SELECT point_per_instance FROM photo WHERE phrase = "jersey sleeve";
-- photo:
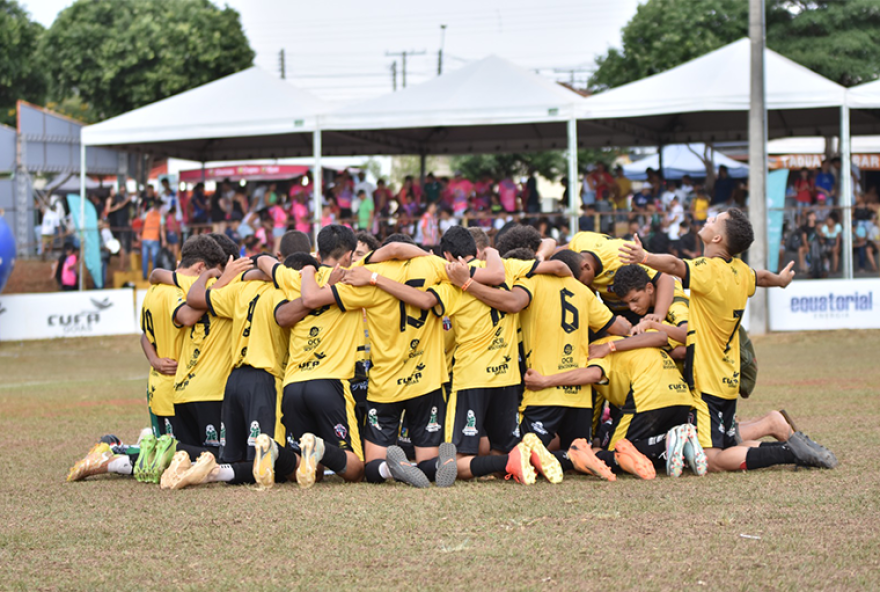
(604, 364)
(698, 277)
(527, 284)
(653, 274)
(448, 299)
(438, 265)
(753, 281)
(354, 297)
(221, 302)
(678, 313)
(288, 281)
(600, 317)
(516, 269)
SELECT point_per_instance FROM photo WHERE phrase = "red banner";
(250, 172)
(865, 162)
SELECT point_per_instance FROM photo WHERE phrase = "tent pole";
(846, 192)
(573, 185)
(423, 162)
(660, 165)
(317, 183)
(82, 212)
(757, 162)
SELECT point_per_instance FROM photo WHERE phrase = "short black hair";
(295, 241)
(522, 253)
(398, 237)
(570, 258)
(480, 237)
(227, 244)
(201, 248)
(335, 240)
(628, 278)
(738, 233)
(519, 236)
(458, 242)
(368, 239)
(299, 260)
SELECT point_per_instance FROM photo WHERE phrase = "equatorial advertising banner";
(825, 305)
(67, 314)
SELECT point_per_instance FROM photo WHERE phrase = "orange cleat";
(632, 461)
(585, 460)
(519, 467)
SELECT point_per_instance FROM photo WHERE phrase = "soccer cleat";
(311, 452)
(145, 458)
(693, 451)
(180, 464)
(111, 440)
(632, 461)
(447, 469)
(163, 453)
(198, 473)
(402, 470)
(144, 433)
(519, 466)
(585, 460)
(675, 439)
(544, 462)
(264, 461)
(94, 463)
(808, 453)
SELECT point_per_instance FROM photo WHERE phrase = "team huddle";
(387, 362)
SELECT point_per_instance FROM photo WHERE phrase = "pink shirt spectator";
(279, 217)
(507, 193)
(301, 216)
(68, 272)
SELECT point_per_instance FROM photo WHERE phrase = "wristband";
(645, 260)
(611, 346)
(467, 284)
(374, 278)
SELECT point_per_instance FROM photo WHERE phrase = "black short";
(124, 238)
(569, 423)
(197, 423)
(249, 405)
(359, 392)
(715, 422)
(424, 420)
(474, 413)
(161, 424)
(325, 408)
(646, 424)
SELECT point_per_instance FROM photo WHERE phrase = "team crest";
(211, 436)
(340, 431)
(433, 424)
(470, 429)
(373, 419)
(168, 429)
(254, 433)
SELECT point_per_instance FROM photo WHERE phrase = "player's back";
(157, 319)
(606, 251)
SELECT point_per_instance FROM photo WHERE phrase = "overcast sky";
(336, 48)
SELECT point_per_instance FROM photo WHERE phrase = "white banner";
(138, 305)
(67, 314)
(808, 305)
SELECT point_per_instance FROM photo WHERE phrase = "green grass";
(817, 529)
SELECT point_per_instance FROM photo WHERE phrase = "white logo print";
(470, 429)
(538, 427)
(433, 425)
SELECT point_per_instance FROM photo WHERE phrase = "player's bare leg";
(772, 425)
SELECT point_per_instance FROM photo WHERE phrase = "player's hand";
(652, 317)
(599, 350)
(357, 276)
(337, 274)
(235, 268)
(786, 275)
(632, 252)
(458, 272)
(165, 366)
(534, 380)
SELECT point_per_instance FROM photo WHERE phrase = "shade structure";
(680, 160)
(864, 96)
(247, 115)
(707, 99)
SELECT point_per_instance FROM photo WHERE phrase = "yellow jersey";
(257, 340)
(678, 313)
(719, 292)
(206, 355)
(157, 322)
(606, 251)
(555, 331)
(406, 344)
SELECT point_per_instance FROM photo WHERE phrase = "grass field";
(775, 529)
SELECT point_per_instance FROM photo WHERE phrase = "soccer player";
(633, 286)
(720, 285)
(601, 253)
(556, 315)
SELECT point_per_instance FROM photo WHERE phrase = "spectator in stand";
(382, 199)
(343, 191)
(483, 193)
(233, 226)
(862, 250)
(810, 244)
(531, 199)
(724, 186)
(279, 225)
(118, 209)
(587, 220)
(461, 192)
(687, 190)
(688, 244)
(329, 212)
(622, 189)
(823, 189)
(674, 218)
(152, 236)
(432, 189)
(221, 203)
(507, 194)
(51, 226)
(603, 182)
(409, 197)
(240, 203)
(271, 195)
(803, 187)
(198, 205)
(365, 210)
(831, 231)
(700, 207)
(363, 185)
(173, 232)
(655, 180)
(667, 195)
(588, 190)
(428, 232)
(65, 270)
(170, 201)
(641, 199)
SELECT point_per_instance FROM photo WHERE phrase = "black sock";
(133, 458)
(654, 447)
(334, 458)
(486, 465)
(371, 471)
(771, 444)
(768, 456)
(607, 457)
(195, 451)
(563, 459)
(244, 473)
(285, 464)
(429, 467)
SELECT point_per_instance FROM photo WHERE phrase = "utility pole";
(281, 64)
(440, 53)
(757, 161)
(394, 75)
(403, 55)
(571, 72)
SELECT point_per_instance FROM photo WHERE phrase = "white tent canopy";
(864, 96)
(682, 159)
(251, 114)
(816, 145)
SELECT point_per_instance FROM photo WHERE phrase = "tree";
(834, 38)
(551, 164)
(20, 74)
(118, 55)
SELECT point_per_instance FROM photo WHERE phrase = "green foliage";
(551, 164)
(21, 76)
(117, 55)
(837, 39)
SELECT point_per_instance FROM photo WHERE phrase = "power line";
(403, 55)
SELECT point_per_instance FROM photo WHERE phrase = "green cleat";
(164, 451)
(145, 459)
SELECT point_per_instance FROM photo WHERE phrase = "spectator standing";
(221, 203)
(343, 189)
(198, 205)
(687, 190)
(461, 192)
(641, 199)
(169, 200)
(432, 189)
(674, 218)
(173, 232)
(603, 182)
(824, 185)
(688, 244)
(831, 231)
(365, 210)
(622, 189)
(65, 270)
(667, 196)
(811, 244)
(279, 225)
(700, 207)
(507, 194)
(724, 186)
(483, 193)
(409, 196)
(588, 190)
(803, 187)
(531, 198)
(428, 232)
(152, 236)
(50, 227)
